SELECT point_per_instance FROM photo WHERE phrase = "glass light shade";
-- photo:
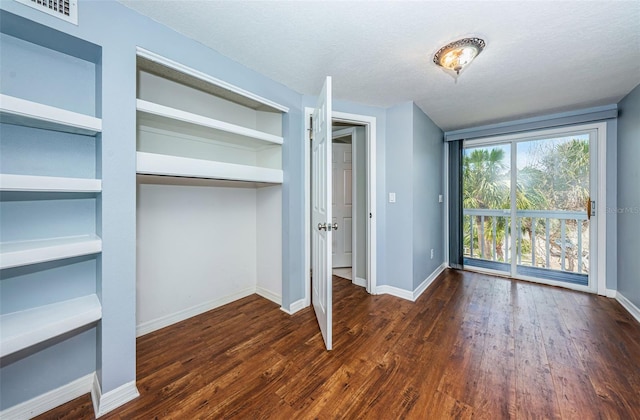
(456, 55)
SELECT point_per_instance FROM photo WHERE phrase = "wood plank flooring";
(472, 346)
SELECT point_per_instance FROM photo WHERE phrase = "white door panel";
(342, 205)
(321, 218)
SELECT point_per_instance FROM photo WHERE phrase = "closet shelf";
(156, 164)
(9, 182)
(22, 329)
(32, 114)
(15, 254)
(163, 116)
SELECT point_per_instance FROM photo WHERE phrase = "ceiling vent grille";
(63, 9)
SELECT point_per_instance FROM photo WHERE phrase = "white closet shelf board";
(23, 329)
(9, 182)
(32, 114)
(198, 182)
(156, 164)
(15, 254)
(177, 72)
(201, 126)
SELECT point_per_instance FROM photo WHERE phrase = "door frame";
(599, 267)
(369, 122)
(351, 132)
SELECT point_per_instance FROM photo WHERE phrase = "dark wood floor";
(472, 346)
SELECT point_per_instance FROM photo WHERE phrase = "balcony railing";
(548, 244)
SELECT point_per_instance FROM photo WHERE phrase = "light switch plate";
(440, 198)
(392, 197)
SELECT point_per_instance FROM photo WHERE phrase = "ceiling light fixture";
(456, 55)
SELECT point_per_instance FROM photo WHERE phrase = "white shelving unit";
(209, 164)
(51, 205)
(9, 182)
(32, 114)
(16, 254)
(22, 329)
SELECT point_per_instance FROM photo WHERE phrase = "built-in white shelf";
(197, 125)
(10, 182)
(22, 329)
(32, 114)
(157, 164)
(15, 254)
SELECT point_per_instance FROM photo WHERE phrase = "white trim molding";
(412, 296)
(428, 281)
(268, 294)
(394, 291)
(296, 306)
(359, 281)
(611, 293)
(629, 306)
(164, 321)
(104, 403)
(49, 400)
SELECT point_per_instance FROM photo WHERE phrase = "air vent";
(63, 9)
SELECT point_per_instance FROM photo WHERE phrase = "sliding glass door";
(486, 199)
(527, 206)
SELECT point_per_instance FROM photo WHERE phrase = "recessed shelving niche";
(209, 164)
(50, 186)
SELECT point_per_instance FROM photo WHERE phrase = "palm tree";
(486, 185)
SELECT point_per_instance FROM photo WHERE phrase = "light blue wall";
(428, 183)
(628, 208)
(118, 30)
(35, 374)
(39, 74)
(398, 226)
(30, 151)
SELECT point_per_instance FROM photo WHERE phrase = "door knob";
(322, 226)
(335, 226)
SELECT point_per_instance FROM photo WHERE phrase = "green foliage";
(555, 176)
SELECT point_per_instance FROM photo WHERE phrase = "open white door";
(321, 225)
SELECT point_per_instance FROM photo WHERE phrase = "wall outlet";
(431, 253)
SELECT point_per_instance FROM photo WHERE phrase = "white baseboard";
(629, 306)
(296, 306)
(427, 282)
(610, 293)
(103, 403)
(268, 294)
(359, 281)
(394, 291)
(165, 321)
(49, 400)
(408, 295)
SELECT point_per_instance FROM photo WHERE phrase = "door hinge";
(370, 216)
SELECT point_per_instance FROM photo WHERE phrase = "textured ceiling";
(540, 57)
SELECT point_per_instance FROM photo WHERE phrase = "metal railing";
(550, 239)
